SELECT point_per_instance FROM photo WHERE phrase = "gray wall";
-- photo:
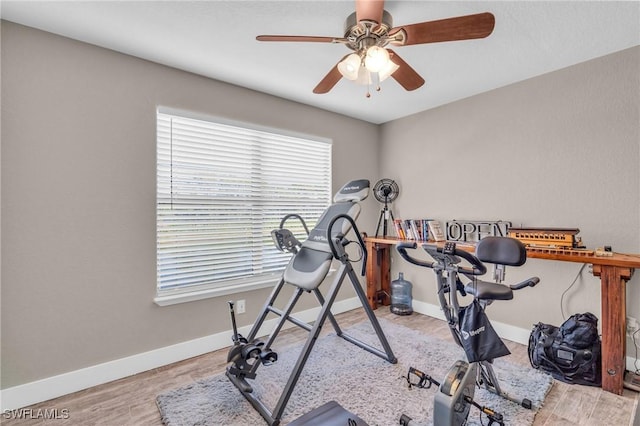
(78, 199)
(559, 150)
(78, 189)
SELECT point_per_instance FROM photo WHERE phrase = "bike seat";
(486, 290)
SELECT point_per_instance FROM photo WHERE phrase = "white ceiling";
(217, 39)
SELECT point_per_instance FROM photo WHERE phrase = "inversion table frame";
(345, 271)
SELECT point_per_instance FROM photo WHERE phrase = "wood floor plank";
(551, 401)
(576, 405)
(131, 400)
(610, 410)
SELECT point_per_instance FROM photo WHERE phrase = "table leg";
(378, 273)
(372, 274)
(385, 273)
(613, 281)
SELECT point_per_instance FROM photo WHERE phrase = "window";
(221, 189)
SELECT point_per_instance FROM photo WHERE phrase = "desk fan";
(385, 191)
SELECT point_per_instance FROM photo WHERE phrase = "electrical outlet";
(632, 326)
(632, 381)
(240, 307)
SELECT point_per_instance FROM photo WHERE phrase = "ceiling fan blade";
(297, 38)
(369, 10)
(451, 29)
(405, 75)
(329, 80)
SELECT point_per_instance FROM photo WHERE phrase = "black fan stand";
(385, 190)
(384, 215)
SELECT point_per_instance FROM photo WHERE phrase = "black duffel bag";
(570, 353)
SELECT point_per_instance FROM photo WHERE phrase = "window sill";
(173, 297)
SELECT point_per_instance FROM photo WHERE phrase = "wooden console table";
(614, 272)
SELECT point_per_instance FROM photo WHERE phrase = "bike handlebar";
(531, 282)
(477, 267)
(402, 247)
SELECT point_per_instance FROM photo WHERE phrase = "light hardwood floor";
(131, 401)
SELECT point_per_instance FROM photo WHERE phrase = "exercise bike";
(454, 397)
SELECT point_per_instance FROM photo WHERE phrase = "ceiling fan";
(370, 29)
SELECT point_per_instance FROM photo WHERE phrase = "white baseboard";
(505, 331)
(63, 384)
(53, 387)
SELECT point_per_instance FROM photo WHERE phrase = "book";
(415, 229)
(436, 231)
(397, 225)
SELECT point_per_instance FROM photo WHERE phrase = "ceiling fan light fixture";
(387, 70)
(349, 67)
(376, 58)
(367, 32)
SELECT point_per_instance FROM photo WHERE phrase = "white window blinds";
(221, 189)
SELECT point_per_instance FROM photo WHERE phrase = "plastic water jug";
(401, 298)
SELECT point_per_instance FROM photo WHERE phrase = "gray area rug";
(361, 382)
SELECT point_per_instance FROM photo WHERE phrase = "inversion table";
(306, 271)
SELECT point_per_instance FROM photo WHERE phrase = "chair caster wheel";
(526, 403)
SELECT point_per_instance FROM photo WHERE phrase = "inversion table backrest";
(308, 268)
